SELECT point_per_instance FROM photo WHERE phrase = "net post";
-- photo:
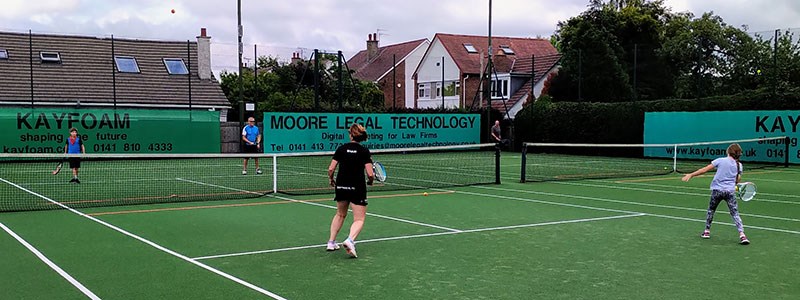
(497, 165)
(675, 158)
(275, 174)
(786, 157)
(524, 161)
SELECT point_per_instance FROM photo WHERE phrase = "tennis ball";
(665, 168)
(425, 193)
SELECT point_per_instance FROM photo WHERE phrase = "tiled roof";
(85, 73)
(522, 67)
(372, 70)
(470, 63)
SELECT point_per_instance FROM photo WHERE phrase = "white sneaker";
(258, 171)
(244, 172)
(332, 246)
(350, 246)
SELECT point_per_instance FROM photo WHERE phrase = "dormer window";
(50, 57)
(175, 66)
(470, 48)
(126, 64)
(506, 49)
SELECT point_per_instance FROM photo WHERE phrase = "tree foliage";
(290, 87)
(623, 50)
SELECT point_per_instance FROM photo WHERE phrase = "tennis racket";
(746, 191)
(379, 171)
(58, 166)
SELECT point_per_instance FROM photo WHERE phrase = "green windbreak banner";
(45, 130)
(312, 132)
(688, 127)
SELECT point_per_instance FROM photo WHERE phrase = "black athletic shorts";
(352, 195)
(74, 162)
(250, 148)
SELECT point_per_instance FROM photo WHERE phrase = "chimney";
(372, 46)
(204, 55)
(296, 58)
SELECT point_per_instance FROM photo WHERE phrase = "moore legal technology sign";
(311, 132)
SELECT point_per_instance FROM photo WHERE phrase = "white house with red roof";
(391, 67)
(450, 71)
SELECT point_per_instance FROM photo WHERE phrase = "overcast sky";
(280, 27)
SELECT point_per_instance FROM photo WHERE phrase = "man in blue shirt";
(252, 142)
(74, 146)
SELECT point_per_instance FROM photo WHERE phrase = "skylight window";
(126, 64)
(3, 54)
(506, 49)
(50, 57)
(175, 66)
(470, 48)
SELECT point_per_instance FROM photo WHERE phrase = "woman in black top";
(351, 189)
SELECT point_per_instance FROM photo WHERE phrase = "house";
(391, 68)
(46, 70)
(457, 63)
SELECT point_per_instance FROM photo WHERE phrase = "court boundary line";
(606, 209)
(618, 186)
(333, 207)
(694, 188)
(153, 244)
(246, 204)
(86, 291)
(404, 237)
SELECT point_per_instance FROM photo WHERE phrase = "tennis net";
(27, 182)
(553, 161)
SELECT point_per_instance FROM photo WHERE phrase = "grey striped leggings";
(718, 196)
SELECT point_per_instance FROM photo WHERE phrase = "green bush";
(623, 122)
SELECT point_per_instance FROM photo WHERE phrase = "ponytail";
(735, 151)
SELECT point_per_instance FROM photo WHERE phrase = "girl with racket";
(351, 189)
(723, 187)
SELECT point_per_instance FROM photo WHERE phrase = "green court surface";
(626, 238)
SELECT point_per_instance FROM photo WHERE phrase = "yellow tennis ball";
(425, 193)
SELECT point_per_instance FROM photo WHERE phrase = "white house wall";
(429, 71)
(412, 61)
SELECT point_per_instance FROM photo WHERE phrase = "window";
(506, 49)
(500, 88)
(452, 88)
(175, 66)
(3, 54)
(438, 89)
(424, 90)
(50, 57)
(470, 48)
(126, 64)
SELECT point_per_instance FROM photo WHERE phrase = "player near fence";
(723, 187)
(74, 145)
(351, 188)
(252, 143)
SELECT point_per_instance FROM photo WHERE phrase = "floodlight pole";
(241, 84)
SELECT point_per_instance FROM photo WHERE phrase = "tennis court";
(607, 238)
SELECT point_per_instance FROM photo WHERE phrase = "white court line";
(424, 235)
(606, 209)
(218, 186)
(372, 214)
(651, 204)
(323, 205)
(51, 264)
(662, 191)
(695, 188)
(154, 245)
